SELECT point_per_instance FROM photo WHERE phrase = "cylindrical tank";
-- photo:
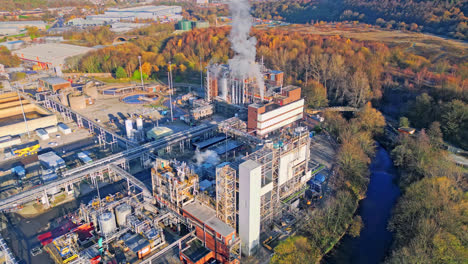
(185, 25)
(129, 127)
(121, 213)
(139, 124)
(77, 101)
(107, 223)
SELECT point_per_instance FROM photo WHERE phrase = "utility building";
(284, 110)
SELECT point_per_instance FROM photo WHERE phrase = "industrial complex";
(151, 173)
(212, 187)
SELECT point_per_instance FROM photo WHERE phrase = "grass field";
(432, 47)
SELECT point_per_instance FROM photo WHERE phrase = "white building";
(172, 13)
(50, 55)
(15, 27)
(249, 205)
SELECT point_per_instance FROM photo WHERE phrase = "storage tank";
(107, 223)
(129, 128)
(121, 213)
(139, 124)
(77, 102)
(185, 25)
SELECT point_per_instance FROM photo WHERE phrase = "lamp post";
(24, 115)
(141, 72)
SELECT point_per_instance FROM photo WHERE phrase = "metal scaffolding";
(226, 194)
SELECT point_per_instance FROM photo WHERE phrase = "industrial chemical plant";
(210, 175)
(213, 188)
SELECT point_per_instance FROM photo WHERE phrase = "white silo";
(139, 124)
(129, 128)
(107, 223)
(121, 213)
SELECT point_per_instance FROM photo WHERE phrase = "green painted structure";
(185, 25)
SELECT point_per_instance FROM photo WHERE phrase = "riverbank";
(375, 210)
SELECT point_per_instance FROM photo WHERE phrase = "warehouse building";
(16, 27)
(162, 13)
(51, 55)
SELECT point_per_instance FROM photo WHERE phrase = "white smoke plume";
(243, 63)
(208, 156)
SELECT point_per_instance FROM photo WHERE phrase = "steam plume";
(208, 156)
(243, 63)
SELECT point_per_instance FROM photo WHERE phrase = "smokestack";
(243, 65)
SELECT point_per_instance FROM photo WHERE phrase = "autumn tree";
(8, 59)
(370, 119)
(33, 32)
(146, 68)
(295, 249)
(315, 95)
(356, 226)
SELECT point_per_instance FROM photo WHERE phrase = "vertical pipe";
(207, 87)
(171, 90)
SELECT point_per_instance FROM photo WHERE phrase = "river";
(372, 246)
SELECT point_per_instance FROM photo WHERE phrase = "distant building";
(15, 27)
(12, 45)
(50, 55)
(120, 27)
(85, 22)
(170, 13)
(53, 83)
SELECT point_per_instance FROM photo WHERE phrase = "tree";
(370, 119)
(136, 75)
(33, 32)
(359, 89)
(315, 95)
(356, 226)
(8, 59)
(455, 121)
(404, 122)
(421, 113)
(120, 73)
(296, 249)
(435, 134)
(146, 68)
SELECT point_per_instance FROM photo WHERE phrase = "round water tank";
(121, 213)
(107, 223)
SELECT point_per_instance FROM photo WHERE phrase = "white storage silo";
(129, 128)
(121, 213)
(139, 124)
(107, 223)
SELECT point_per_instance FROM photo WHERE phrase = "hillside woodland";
(331, 70)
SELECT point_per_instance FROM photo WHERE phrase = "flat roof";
(54, 53)
(195, 251)
(150, 8)
(208, 216)
(54, 80)
(209, 142)
(223, 148)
